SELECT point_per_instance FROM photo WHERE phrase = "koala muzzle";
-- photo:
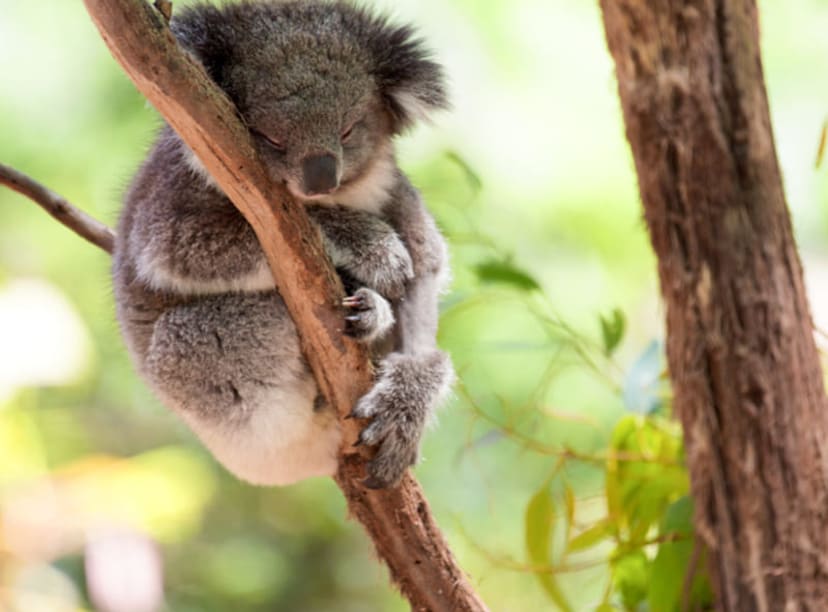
(319, 174)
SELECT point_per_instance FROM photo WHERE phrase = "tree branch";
(72, 217)
(398, 520)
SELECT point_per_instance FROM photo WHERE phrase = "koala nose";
(319, 173)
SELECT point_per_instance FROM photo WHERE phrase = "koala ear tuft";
(202, 30)
(412, 85)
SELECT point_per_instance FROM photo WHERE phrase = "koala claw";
(354, 301)
(370, 315)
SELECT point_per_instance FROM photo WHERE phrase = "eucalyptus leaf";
(472, 177)
(591, 536)
(672, 563)
(631, 575)
(540, 519)
(612, 330)
(504, 272)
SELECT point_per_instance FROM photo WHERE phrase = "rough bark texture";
(745, 370)
(398, 520)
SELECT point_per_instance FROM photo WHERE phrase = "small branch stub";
(165, 8)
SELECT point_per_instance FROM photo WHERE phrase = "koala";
(324, 87)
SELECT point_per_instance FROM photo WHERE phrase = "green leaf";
(669, 568)
(612, 330)
(679, 517)
(471, 176)
(590, 537)
(550, 585)
(639, 491)
(672, 562)
(502, 271)
(540, 518)
(631, 577)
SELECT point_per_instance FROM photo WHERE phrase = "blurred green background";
(104, 495)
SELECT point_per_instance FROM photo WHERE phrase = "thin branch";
(72, 217)
(398, 520)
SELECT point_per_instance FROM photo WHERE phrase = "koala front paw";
(386, 268)
(399, 404)
(369, 315)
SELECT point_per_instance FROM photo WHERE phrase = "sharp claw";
(353, 302)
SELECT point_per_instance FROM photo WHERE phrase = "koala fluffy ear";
(412, 85)
(202, 30)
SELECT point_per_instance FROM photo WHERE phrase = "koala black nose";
(319, 173)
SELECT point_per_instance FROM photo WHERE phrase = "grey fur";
(324, 87)
(366, 247)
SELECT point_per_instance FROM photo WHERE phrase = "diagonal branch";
(398, 520)
(75, 219)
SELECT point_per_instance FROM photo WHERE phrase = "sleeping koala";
(323, 87)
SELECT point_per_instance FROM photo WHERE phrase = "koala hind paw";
(397, 437)
(399, 405)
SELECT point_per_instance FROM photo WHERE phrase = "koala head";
(323, 86)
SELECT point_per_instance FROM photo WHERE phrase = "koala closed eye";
(274, 143)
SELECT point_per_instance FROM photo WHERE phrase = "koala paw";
(396, 432)
(369, 315)
(399, 405)
(386, 268)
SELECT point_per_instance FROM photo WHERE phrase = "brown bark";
(398, 520)
(746, 375)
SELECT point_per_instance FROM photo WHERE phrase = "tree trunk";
(745, 370)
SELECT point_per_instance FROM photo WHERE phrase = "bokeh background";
(106, 500)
